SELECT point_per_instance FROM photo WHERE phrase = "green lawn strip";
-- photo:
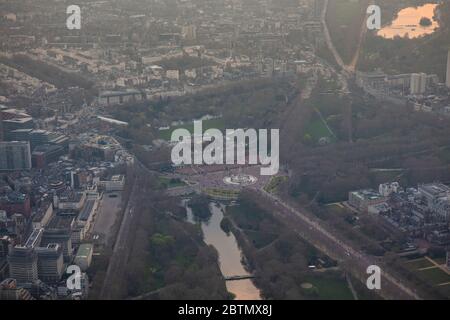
(419, 264)
(171, 183)
(331, 288)
(206, 124)
(435, 276)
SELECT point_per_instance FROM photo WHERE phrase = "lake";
(230, 255)
(407, 23)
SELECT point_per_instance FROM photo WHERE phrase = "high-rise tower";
(448, 70)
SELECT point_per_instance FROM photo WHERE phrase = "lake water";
(407, 23)
(230, 255)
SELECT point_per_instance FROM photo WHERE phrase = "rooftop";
(368, 194)
(60, 222)
(86, 211)
(85, 250)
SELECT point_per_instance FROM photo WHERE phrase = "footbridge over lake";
(239, 277)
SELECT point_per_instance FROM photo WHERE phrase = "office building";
(448, 70)
(45, 154)
(23, 264)
(115, 183)
(59, 230)
(42, 215)
(5, 245)
(418, 83)
(15, 155)
(50, 263)
(11, 124)
(84, 256)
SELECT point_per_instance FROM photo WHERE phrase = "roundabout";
(240, 179)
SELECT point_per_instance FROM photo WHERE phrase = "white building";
(386, 189)
(418, 83)
(173, 74)
(116, 183)
(84, 256)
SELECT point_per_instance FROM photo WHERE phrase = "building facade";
(15, 155)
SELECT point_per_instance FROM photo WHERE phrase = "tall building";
(5, 245)
(317, 8)
(23, 264)
(59, 230)
(189, 32)
(15, 155)
(83, 258)
(50, 263)
(418, 83)
(15, 123)
(448, 70)
(1, 126)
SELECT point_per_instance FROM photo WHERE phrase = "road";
(328, 40)
(328, 241)
(348, 70)
(107, 213)
(117, 264)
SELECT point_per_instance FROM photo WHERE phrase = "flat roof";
(60, 222)
(86, 211)
(368, 194)
(85, 250)
(435, 188)
(33, 238)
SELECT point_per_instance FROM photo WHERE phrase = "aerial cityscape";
(225, 150)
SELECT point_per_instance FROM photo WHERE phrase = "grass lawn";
(171, 183)
(335, 210)
(435, 276)
(207, 124)
(445, 290)
(274, 183)
(247, 217)
(419, 264)
(222, 193)
(331, 288)
(260, 239)
(440, 260)
(344, 20)
(317, 129)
